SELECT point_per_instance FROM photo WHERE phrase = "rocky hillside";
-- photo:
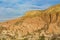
(34, 25)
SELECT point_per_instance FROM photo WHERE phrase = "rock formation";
(34, 25)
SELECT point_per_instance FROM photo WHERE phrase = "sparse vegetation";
(30, 26)
(41, 37)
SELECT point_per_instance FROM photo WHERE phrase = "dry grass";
(35, 25)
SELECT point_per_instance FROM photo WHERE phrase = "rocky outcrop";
(34, 25)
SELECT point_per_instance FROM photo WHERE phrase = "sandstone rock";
(33, 25)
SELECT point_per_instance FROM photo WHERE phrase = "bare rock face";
(35, 25)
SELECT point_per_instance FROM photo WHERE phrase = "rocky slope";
(34, 25)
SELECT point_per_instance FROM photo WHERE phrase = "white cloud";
(29, 6)
(6, 13)
(7, 10)
(9, 13)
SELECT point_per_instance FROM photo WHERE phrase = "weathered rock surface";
(35, 25)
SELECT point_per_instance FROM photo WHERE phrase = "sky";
(10, 9)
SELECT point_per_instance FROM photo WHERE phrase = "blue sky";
(10, 9)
